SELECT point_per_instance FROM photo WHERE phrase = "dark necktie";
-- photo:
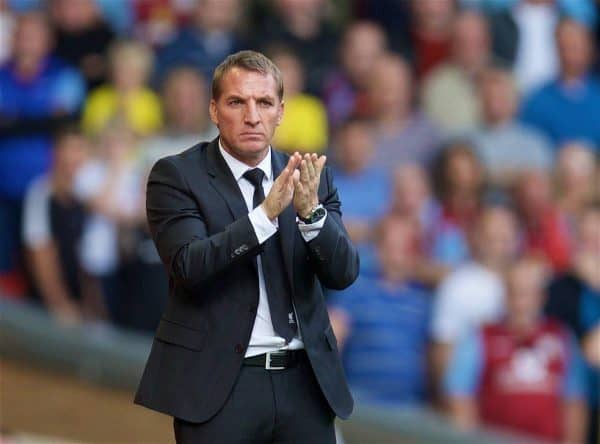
(278, 291)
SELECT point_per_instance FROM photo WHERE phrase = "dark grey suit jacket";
(199, 223)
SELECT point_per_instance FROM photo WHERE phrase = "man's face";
(525, 290)
(32, 38)
(496, 236)
(247, 113)
(575, 48)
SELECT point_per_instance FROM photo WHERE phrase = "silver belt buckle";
(268, 365)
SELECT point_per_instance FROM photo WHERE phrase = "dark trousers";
(267, 406)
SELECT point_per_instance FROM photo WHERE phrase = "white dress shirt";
(263, 338)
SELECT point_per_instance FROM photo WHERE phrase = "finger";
(283, 177)
(298, 186)
(294, 161)
(310, 165)
(304, 175)
(320, 164)
(296, 177)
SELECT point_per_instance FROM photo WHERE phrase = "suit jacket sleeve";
(180, 233)
(334, 258)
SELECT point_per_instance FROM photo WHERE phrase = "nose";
(251, 117)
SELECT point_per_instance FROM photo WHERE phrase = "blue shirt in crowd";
(364, 195)
(193, 48)
(566, 112)
(384, 354)
(56, 89)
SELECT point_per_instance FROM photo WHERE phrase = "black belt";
(277, 360)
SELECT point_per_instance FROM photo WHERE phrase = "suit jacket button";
(239, 348)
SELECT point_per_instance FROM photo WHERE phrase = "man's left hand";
(306, 184)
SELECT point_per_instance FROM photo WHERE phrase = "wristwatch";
(316, 214)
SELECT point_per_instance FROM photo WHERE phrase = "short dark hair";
(249, 61)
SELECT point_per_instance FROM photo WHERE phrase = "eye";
(235, 102)
(265, 102)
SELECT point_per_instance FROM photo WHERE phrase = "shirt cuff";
(310, 231)
(264, 228)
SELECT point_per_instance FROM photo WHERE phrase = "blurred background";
(464, 136)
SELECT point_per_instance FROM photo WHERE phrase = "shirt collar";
(238, 168)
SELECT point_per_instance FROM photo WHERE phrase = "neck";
(572, 77)
(394, 279)
(28, 66)
(395, 118)
(304, 27)
(495, 122)
(522, 324)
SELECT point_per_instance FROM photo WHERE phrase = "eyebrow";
(237, 97)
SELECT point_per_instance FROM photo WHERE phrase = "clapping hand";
(306, 184)
(282, 191)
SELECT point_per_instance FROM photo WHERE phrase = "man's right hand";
(282, 191)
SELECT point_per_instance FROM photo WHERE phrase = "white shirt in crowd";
(467, 298)
(36, 230)
(537, 59)
(99, 248)
(263, 338)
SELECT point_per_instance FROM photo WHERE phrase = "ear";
(212, 110)
(280, 112)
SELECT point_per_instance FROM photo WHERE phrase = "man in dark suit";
(244, 351)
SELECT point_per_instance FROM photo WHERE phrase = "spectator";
(574, 298)
(7, 24)
(402, 134)
(120, 16)
(185, 103)
(53, 223)
(412, 198)
(301, 26)
(382, 323)
(157, 21)
(211, 36)
(304, 125)
(576, 173)
(473, 294)
(506, 146)
(429, 34)
(591, 348)
(568, 108)
(82, 38)
(365, 189)
(126, 96)
(37, 92)
(449, 93)
(524, 372)
(546, 231)
(524, 39)
(345, 90)
(116, 246)
(458, 180)
(111, 187)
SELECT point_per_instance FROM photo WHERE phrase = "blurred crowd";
(464, 136)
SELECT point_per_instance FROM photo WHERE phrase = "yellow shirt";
(303, 127)
(141, 109)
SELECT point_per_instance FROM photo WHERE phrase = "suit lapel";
(287, 220)
(223, 181)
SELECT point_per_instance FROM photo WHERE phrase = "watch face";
(317, 214)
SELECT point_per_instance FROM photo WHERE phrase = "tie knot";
(255, 176)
